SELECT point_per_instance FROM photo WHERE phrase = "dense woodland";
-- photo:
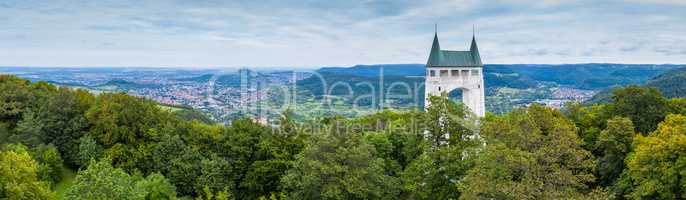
(125, 147)
(671, 83)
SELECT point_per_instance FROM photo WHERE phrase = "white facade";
(468, 79)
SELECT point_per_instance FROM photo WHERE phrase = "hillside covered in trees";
(585, 76)
(507, 86)
(672, 83)
(124, 147)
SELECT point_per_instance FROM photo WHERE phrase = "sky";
(309, 33)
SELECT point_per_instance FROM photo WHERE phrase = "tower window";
(444, 73)
(439, 89)
(464, 72)
(475, 72)
(455, 72)
(432, 73)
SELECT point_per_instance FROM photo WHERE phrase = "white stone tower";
(456, 70)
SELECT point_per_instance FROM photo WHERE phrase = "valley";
(226, 95)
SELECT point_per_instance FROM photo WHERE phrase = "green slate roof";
(444, 58)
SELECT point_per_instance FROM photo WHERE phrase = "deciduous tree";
(613, 144)
(19, 177)
(644, 106)
(14, 98)
(339, 166)
(656, 167)
(531, 153)
(101, 181)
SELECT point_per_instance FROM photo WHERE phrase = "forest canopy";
(126, 147)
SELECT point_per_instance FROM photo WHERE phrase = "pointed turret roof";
(445, 58)
(435, 56)
(475, 51)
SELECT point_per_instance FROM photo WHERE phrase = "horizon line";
(311, 67)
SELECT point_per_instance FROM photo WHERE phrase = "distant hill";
(336, 84)
(591, 76)
(495, 75)
(228, 79)
(118, 84)
(672, 83)
(66, 84)
(604, 96)
(373, 70)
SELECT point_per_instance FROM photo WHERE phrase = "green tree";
(120, 118)
(62, 121)
(89, 150)
(208, 194)
(532, 153)
(404, 130)
(435, 173)
(102, 181)
(442, 164)
(656, 167)
(29, 130)
(19, 177)
(259, 156)
(263, 178)
(407, 144)
(384, 149)
(128, 128)
(178, 162)
(4, 133)
(447, 120)
(339, 166)
(240, 145)
(14, 98)
(156, 187)
(590, 121)
(215, 173)
(614, 143)
(50, 163)
(191, 115)
(132, 157)
(677, 106)
(644, 106)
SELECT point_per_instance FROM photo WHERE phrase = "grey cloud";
(670, 51)
(562, 53)
(538, 52)
(633, 48)
(313, 32)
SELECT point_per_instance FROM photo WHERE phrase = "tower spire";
(435, 56)
(473, 48)
(473, 31)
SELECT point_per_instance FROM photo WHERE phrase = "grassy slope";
(68, 176)
(169, 108)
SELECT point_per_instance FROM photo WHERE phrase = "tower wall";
(468, 79)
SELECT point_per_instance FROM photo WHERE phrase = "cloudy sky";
(256, 33)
